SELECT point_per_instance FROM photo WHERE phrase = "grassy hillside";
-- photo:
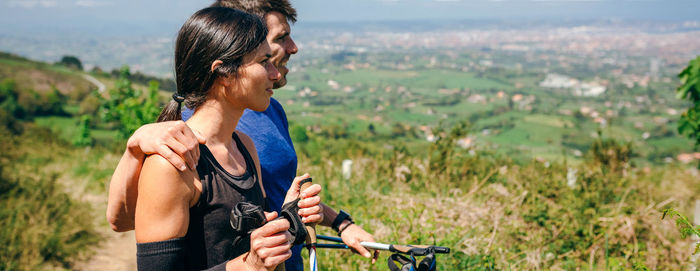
(518, 199)
(52, 200)
(43, 77)
(52, 193)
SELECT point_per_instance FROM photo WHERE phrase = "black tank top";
(210, 235)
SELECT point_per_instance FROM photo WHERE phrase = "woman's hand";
(269, 245)
(310, 209)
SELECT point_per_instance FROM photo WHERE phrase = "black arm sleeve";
(168, 255)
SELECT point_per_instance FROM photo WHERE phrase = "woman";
(182, 218)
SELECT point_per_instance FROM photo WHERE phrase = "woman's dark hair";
(214, 33)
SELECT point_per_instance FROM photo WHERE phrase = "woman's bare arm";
(162, 213)
(164, 199)
(173, 140)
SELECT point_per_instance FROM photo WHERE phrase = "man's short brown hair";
(260, 7)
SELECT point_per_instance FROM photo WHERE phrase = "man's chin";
(282, 82)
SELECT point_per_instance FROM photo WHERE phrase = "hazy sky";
(98, 15)
(322, 10)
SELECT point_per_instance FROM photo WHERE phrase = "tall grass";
(40, 223)
(498, 214)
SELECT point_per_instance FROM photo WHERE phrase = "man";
(269, 131)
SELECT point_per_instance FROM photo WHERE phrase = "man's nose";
(291, 47)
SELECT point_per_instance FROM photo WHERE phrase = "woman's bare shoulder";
(158, 164)
(164, 198)
(158, 173)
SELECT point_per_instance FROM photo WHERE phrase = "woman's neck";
(215, 121)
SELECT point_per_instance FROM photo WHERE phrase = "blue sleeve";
(186, 113)
(278, 160)
(283, 116)
(269, 131)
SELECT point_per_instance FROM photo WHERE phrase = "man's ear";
(222, 79)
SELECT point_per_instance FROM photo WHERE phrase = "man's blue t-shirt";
(269, 131)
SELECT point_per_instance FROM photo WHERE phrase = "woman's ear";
(222, 79)
(216, 64)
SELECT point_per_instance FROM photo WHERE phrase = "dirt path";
(116, 253)
(100, 87)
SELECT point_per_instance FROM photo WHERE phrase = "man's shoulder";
(274, 112)
(275, 106)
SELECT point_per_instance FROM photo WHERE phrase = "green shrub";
(689, 122)
(89, 105)
(610, 155)
(129, 108)
(84, 138)
(298, 133)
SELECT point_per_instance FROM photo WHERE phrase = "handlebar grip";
(444, 250)
(305, 183)
(419, 250)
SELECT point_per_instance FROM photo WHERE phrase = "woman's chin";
(261, 107)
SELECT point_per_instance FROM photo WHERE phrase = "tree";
(8, 100)
(442, 151)
(54, 102)
(71, 62)
(126, 107)
(84, 137)
(41, 104)
(689, 123)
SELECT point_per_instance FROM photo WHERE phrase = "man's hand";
(353, 235)
(173, 140)
(310, 209)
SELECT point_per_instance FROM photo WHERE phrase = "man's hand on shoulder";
(173, 140)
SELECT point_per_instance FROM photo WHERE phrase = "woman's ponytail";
(173, 110)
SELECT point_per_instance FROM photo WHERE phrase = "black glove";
(246, 217)
(290, 212)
